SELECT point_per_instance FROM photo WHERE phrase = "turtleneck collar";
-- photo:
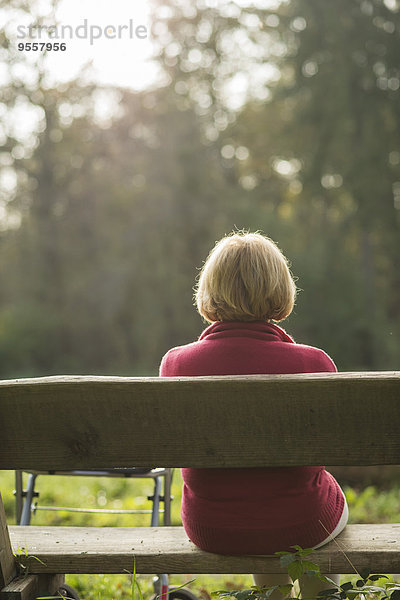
(253, 329)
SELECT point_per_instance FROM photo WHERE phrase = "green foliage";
(373, 504)
(92, 493)
(320, 163)
(298, 565)
(109, 221)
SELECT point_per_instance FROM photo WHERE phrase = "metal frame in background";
(25, 506)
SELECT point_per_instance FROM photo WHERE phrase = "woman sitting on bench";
(244, 286)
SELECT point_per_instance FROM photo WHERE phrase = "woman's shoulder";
(315, 358)
(171, 362)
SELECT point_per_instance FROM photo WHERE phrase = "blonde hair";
(245, 278)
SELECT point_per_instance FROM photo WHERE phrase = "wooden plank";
(259, 420)
(168, 550)
(29, 587)
(21, 588)
(7, 562)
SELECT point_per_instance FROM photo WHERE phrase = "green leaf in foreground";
(287, 559)
(295, 570)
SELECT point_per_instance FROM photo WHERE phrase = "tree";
(322, 147)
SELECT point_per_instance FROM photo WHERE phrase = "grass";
(116, 494)
(370, 505)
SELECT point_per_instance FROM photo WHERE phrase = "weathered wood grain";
(168, 550)
(21, 588)
(7, 562)
(258, 420)
(30, 587)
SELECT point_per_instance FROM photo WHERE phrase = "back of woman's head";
(245, 278)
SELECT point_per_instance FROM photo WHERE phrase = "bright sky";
(122, 59)
(114, 35)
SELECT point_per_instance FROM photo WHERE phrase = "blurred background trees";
(282, 117)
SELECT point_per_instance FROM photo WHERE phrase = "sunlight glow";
(113, 37)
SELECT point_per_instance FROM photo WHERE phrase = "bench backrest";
(64, 423)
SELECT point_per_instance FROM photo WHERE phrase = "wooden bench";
(66, 423)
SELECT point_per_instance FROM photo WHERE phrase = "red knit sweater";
(257, 510)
